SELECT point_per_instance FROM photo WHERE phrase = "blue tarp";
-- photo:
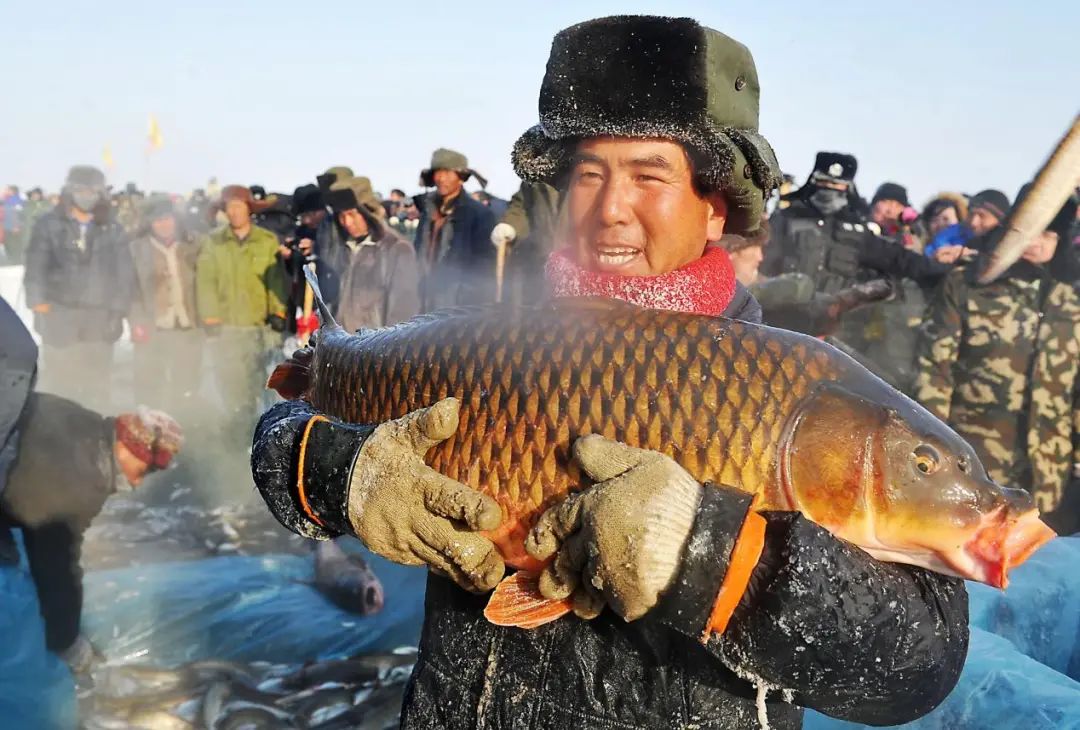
(1021, 669)
(1024, 657)
(243, 609)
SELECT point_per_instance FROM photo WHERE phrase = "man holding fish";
(697, 586)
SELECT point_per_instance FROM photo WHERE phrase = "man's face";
(447, 182)
(236, 211)
(632, 208)
(981, 221)
(164, 228)
(312, 218)
(746, 262)
(353, 223)
(946, 217)
(886, 211)
(1041, 250)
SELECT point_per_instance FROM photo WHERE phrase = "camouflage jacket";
(1000, 364)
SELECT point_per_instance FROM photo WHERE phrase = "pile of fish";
(362, 693)
(132, 530)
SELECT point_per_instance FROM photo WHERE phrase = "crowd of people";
(220, 272)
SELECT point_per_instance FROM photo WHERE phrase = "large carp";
(777, 414)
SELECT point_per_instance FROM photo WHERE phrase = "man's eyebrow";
(580, 157)
(655, 161)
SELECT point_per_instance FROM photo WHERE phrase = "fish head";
(886, 475)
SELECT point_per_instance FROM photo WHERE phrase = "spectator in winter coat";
(379, 277)
(240, 295)
(453, 239)
(986, 211)
(79, 282)
(164, 322)
(641, 208)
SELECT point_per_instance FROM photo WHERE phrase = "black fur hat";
(646, 76)
(835, 167)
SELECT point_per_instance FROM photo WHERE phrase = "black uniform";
(853, 637)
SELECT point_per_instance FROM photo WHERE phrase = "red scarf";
(704, 286)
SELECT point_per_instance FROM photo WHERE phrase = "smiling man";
(648, 126)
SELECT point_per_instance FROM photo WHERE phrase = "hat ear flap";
(464, 175)
(427, 178)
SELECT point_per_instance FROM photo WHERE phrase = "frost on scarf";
(705, 286)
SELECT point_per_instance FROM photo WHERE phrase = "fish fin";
(325, 317)
(517, 602)
(290, 379)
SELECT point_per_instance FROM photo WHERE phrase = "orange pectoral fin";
(292, 378)
(517, 602)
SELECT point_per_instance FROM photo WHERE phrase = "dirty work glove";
(409, 513)
(619, 542)
(502, 234)
(81, 656)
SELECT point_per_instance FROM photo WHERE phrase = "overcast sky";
(935, 95)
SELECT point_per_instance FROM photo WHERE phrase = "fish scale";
(713, 394)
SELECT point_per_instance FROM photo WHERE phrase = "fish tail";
(517, 602)
(325, 317)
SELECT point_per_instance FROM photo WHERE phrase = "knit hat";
(655, 77)
(355, 193)
(444, 159)
(153, 437)
(891, 191)
(333, 175)
(993, 201)
(307, 199)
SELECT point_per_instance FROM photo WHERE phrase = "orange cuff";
(744, 558)
(301, 492)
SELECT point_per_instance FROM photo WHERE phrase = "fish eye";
(927, 459)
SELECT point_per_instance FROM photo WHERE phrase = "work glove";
(502, 234)
(81, 656)
(409, 513)
(620, 542)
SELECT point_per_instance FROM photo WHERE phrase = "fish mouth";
(1001, 543)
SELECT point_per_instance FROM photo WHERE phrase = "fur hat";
(655, 77)
(307, 199)
(156, 207)
(444, 159)
(333, 175)
(243, 194)
(837, 167)
(354, 193)
(939, 202)
(153, 437)
(86, 175)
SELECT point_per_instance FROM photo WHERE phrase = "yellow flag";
(153, 136)
(107, 158)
